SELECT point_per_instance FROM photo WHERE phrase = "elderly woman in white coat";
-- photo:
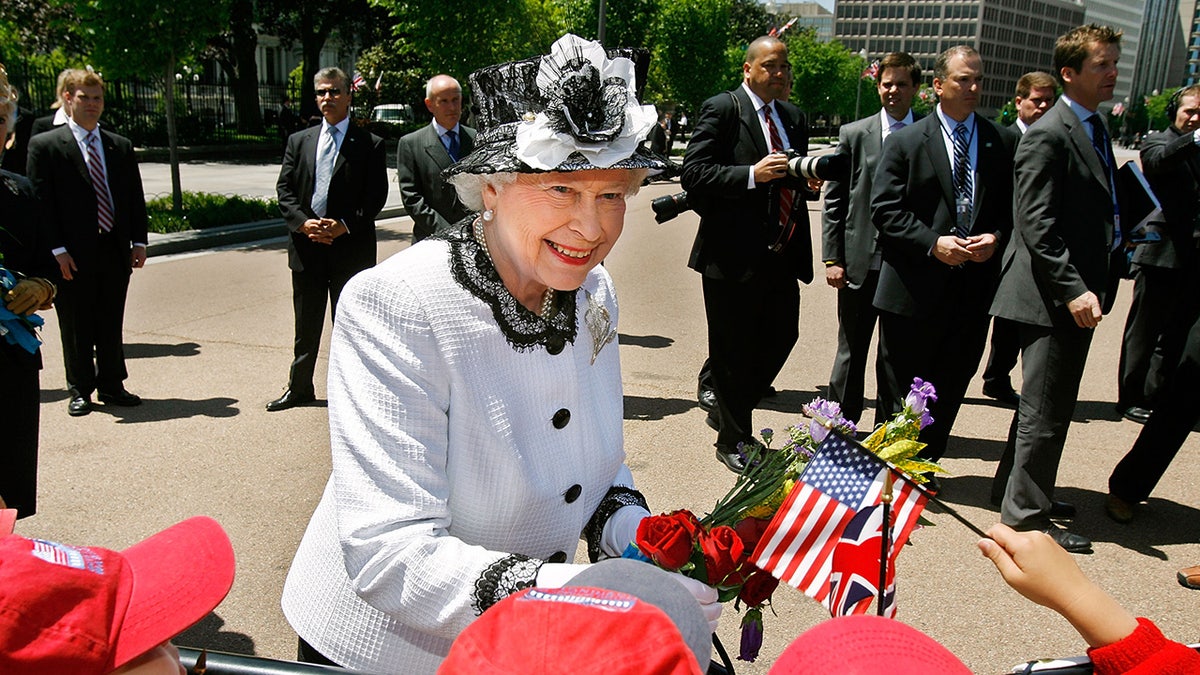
(475, 401)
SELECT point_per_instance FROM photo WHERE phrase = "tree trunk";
(245, 84)
(312, 40)
(172, 138)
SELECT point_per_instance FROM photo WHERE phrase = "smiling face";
(1093, 83)
(551, 229)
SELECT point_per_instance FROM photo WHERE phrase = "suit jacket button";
(560, 557)
(561, 418)
(555, 346)
(572, 493)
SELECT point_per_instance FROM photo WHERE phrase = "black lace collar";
(524, 330)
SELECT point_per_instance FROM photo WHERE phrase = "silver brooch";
(599, 324)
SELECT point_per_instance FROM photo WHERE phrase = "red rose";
(668, 539)
(722, 549)
(758, 588)
(751, 530)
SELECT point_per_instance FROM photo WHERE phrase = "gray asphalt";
(209, 336)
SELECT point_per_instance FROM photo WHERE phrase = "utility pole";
(600, 24)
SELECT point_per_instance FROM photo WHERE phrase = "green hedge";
(202, 210)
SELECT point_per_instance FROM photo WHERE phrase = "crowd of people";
(475, 404)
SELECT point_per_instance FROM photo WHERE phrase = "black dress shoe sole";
(78, 410)
(732, 461)
(1071, 542)
(289, 402)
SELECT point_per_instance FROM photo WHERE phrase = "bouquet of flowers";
(716, 549)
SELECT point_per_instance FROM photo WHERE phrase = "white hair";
(470, 185)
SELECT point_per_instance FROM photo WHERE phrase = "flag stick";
(886, 498)
(952, 512)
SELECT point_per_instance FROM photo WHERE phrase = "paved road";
(209, 342)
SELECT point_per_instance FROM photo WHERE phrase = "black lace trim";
(502, 578)
(523, 329)
(618, 496)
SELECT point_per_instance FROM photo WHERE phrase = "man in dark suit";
(1057, 278)
(851, 256)
(95, 222)
(1162, 310)
(753, 243)
(942, 201)
(1035, 94)
(1166, 305)
(422, 155)
(332, 185)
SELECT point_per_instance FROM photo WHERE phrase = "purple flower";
(752, 635)
(823, 411)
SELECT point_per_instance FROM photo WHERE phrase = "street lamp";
(862, 53)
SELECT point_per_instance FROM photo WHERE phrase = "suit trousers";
(752, 327)
(1154, 334)
(19, 422)
(309, 291)
(91, 319)
(1052, 362)
(1176, 413)
(944, 348)
(1003, 356)
(857, 317)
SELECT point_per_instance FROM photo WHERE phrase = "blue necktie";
(454, 146)
(1104, 151)
(326, 158)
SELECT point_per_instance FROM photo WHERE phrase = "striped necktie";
(962, 181)
(785, 195)
(104, 205)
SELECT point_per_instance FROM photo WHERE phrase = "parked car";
(392, 120)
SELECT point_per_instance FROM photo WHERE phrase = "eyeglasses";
(328, 92)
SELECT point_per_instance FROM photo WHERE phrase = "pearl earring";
(488, 215)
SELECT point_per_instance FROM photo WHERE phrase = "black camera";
(824, 167)
(666, 208)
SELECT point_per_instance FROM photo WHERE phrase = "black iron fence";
(205, 113)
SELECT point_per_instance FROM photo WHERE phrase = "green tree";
(826, 76)
(1156, 110)
(692, 56)
(626, 22)
(235, 50)
(153, 37)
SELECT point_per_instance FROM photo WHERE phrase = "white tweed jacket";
(452, 450)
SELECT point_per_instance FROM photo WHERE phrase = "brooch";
(599, 324)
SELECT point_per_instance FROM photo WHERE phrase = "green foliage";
(626, 22)
(1156, 110)
(826, 76)
(1008, 114)
(925, 100)
(203, 210)
(136, 38)
(683, 36)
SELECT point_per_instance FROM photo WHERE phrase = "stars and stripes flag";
(872, 70)
(357, 82)
(831, 523)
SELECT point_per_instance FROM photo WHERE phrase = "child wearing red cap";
(93, 611)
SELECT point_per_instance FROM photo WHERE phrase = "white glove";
(621, 529)
(705, 595)
(557, 575)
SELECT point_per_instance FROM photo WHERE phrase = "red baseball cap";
(866, 645)
(90, 610)
(575, 629)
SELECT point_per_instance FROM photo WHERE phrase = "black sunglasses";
(328, 92)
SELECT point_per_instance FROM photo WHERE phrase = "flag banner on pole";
(842, 481)
(357, 82)
(872, 70)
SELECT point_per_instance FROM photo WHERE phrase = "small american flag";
(872, 70)
(842, 480)
(358, 81)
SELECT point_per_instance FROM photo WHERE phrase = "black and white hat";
(571, 110)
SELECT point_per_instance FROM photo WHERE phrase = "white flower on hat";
(591, 108)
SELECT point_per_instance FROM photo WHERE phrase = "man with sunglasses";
(332, 185)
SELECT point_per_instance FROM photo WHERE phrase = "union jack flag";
(836, 505)
(357, 82)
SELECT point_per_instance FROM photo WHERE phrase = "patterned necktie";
(326, 157)
(454, 146)
(962, 181)
(1104, 152)
(104, 205)
(785, 195)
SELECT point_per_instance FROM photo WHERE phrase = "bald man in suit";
(422, 156)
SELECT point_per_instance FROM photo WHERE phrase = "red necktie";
(104, 207)
(785, 195)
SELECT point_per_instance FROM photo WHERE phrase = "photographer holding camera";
(753, 242)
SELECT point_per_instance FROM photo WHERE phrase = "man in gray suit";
(848, 237)
(422, 155)
(1161, 314)
(1057, 278)
(941, 200)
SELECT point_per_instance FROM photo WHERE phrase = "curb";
(227, 235)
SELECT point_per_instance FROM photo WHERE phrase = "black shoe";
(713, 421)
(1071, 542)
(1004, 395)
(732, 459)
(1062, 511)
(707, 399)
(119, 397)
(1135, 413)
(290, 399)
(79, 406)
